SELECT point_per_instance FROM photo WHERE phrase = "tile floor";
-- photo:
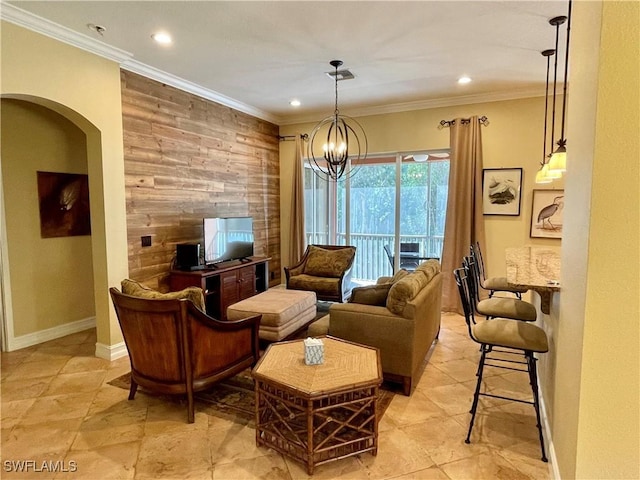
(58, 407)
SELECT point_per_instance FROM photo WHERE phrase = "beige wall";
(562, 392)
(85, 89)
(512, 139)
(598, 381)
(52, 278)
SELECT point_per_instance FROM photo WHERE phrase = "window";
(361, 210)
(316, 207)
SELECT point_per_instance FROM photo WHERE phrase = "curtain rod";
(464, 121)
(285, 138)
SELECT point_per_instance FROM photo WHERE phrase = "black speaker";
(188, 256)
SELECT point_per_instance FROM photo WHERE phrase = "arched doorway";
(47, 283)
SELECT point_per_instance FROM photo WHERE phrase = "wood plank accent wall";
(187, 158)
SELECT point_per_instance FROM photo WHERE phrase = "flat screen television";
(227, 239)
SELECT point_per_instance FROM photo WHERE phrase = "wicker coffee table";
(318, 413)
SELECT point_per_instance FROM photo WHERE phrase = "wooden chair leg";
(133, 388)
(406, 386)
(190, 407)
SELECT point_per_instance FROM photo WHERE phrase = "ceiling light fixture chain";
(542, 176)
(554, 164)
(558, 160)
(546, 53)
(555, 21)
(336, 64)
(345, 144)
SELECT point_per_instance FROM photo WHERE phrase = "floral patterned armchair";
(325, 270)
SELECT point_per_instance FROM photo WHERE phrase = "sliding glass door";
(423, 204)
(362, 211)
(372, 217)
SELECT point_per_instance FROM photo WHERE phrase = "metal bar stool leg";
(476, 395)
(533, 376)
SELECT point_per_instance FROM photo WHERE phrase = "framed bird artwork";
(546, 214)
(501, 191)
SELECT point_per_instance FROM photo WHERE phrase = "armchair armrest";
(345, 282)
(296, 269)
(215, 324)
(218, 346)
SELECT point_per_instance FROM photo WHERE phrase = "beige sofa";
(400, 316)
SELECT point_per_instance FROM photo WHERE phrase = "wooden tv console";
(225, 283)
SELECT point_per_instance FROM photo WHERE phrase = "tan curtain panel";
(465, 223)
(297, 242)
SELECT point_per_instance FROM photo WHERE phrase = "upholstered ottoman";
(283, 311)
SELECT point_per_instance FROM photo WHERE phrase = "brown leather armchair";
(325, 270)
(175, 348)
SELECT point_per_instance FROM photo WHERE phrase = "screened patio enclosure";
(390, 201)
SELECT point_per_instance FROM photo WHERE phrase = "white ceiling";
(404, 55)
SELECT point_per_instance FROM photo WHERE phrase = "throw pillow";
(135, 289)
(328, 263)
(400, 274)
(371, 295)
(405, 290)
(430, 268)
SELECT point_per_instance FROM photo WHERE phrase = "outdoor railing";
(371, 260)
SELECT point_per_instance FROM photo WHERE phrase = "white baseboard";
(111, 352)
(52, 333)
(551, 452)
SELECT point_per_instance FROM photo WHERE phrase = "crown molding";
(190, 87)
(421, 105)
(28, 20)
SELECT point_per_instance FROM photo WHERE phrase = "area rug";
(236, 396)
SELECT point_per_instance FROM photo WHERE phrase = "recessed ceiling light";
(162, 38)
(294, 103)
(464, 79)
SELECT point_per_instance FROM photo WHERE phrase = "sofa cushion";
(376, 294)
(371, 294)
(430, 268)
(405, 290)
(320, 285)
(327, 263)
(135, 289)
(399, 275)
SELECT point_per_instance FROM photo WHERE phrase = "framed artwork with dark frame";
(501, 191)
(64, 204)
(546, 214)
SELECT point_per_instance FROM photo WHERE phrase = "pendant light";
(545, 175)
(558, 160)
(542, 176)
(345, 143)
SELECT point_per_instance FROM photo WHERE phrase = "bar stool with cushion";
(503, 307)
(492, 284)
(496, 335)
